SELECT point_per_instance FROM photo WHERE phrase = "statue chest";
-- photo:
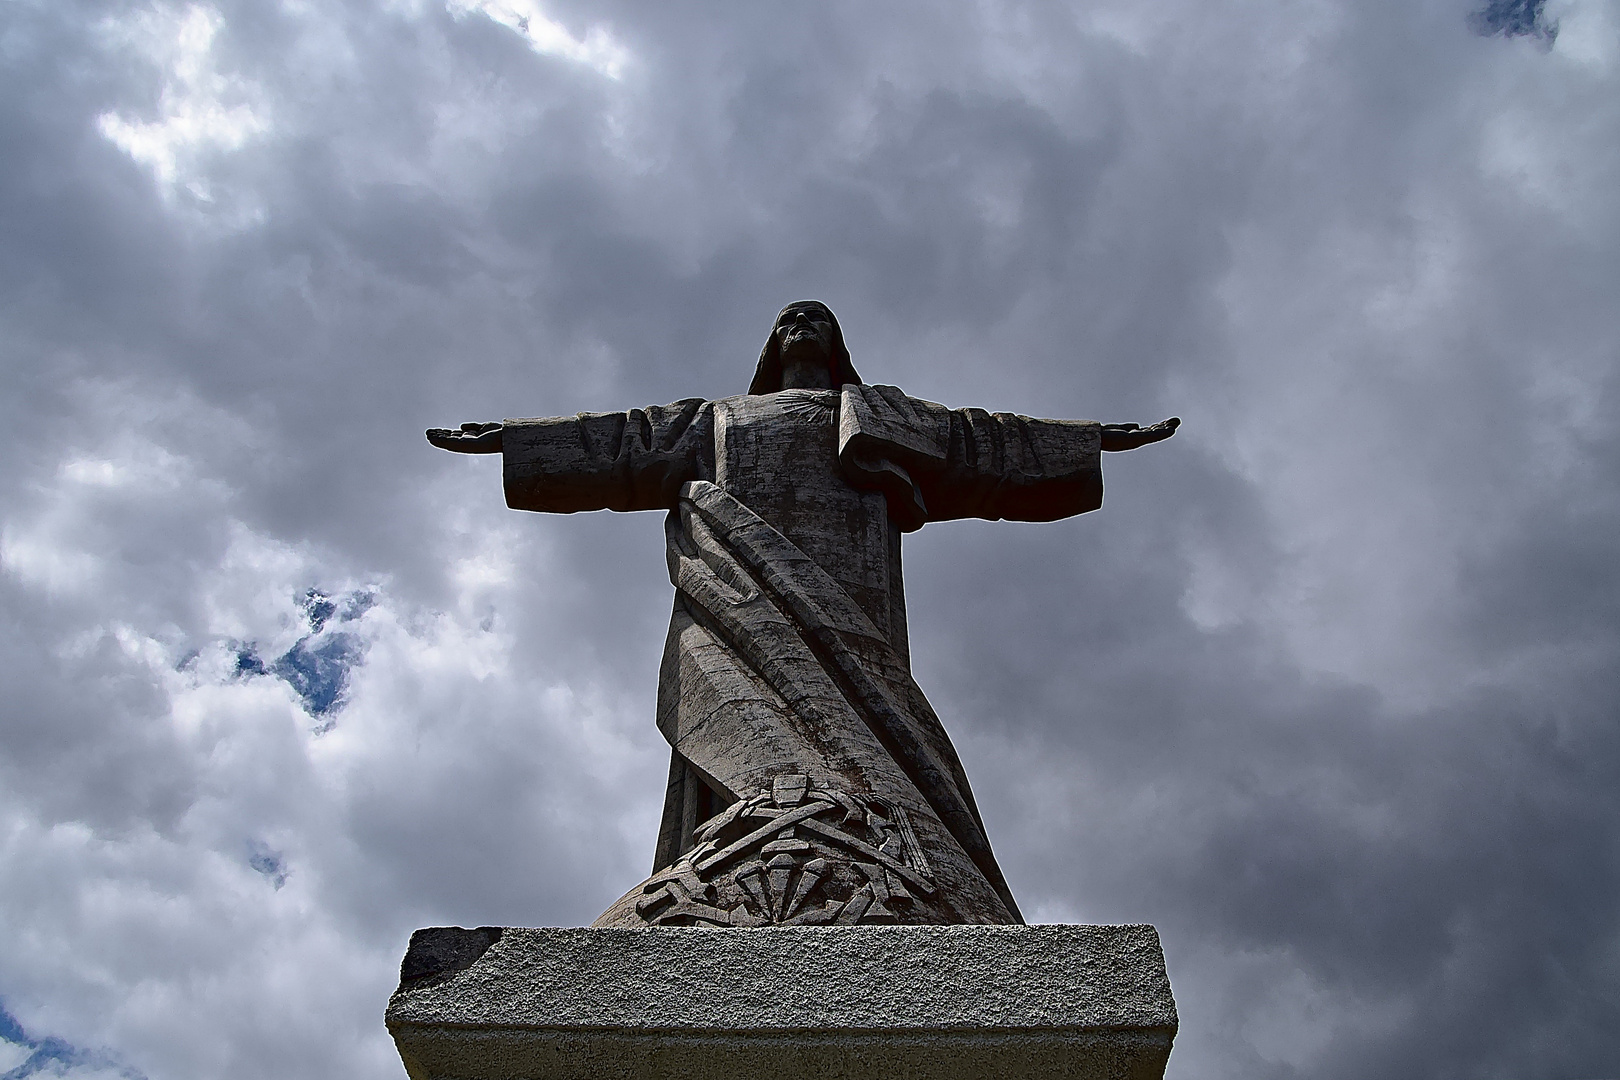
(778, 454)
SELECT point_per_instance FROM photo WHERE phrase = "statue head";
(806, 336)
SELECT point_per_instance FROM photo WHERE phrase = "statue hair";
(768, 375)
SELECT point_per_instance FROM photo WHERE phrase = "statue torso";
(778, 454)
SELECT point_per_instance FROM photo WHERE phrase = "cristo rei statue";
(810, 781)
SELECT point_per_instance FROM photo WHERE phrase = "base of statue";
(865, 1001)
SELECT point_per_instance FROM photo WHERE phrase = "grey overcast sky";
(1328, 690)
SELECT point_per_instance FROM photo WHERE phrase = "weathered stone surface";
(787, 667)
(895, 1002)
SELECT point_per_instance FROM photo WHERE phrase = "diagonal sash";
(862, 664)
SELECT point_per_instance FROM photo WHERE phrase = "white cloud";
(12, 1055)
(201, 111)
(597, 50)
(1588, 31)
(225, 890)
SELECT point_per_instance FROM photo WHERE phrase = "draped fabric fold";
(817, 651)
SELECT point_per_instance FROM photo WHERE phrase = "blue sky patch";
(54, 1057)
(317, 666)
(269, 862)
(1514, 18)
(318, 607)
(247, 659)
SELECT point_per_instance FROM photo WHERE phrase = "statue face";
(804, 328)
(804, 341)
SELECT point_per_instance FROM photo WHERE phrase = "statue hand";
(468, 439)
(1117, 437)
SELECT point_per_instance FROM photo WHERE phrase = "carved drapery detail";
(795, 855)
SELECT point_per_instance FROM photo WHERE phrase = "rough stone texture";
(871, 1001)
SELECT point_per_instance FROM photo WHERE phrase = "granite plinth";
(896, 1002)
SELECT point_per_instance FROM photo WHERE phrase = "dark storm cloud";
(1325, 691)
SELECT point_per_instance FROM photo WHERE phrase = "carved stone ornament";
(795, 856)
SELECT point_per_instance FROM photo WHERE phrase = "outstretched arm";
(468, 439)
(635, 460)
(1117, 437)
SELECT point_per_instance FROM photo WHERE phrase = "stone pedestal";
(886, 1002)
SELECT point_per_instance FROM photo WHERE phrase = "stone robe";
(810, 780)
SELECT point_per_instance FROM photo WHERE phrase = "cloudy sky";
(1327, 691)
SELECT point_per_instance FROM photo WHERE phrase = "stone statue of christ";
(810, 781)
